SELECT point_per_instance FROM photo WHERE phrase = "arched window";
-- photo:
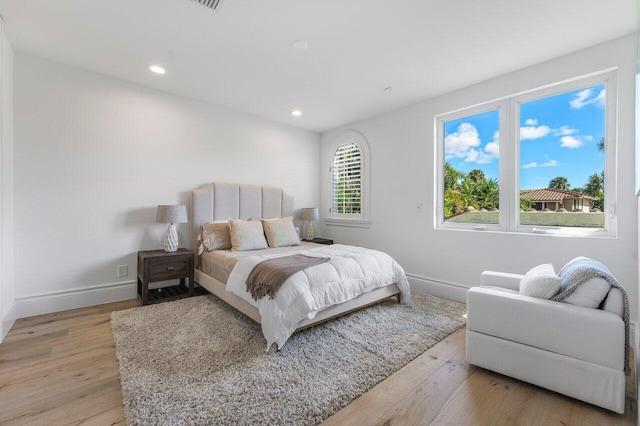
(348, 190)
(346, 182)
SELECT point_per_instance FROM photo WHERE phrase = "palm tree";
(488, 193)
(468, 194)
(476, 175)
(559, 182)
(595, 185)
(452, 176)
(600, 145)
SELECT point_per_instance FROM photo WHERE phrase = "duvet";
(350, 272)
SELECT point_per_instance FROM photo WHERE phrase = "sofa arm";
(592, 335)
(501, 279)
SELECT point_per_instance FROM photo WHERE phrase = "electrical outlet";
(123, 271)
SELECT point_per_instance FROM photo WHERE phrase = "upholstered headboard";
(220, 201)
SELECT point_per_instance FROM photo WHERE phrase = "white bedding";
(352, 271)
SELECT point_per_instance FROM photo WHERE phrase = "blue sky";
(558, 137)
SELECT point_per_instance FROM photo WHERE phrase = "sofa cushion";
(506, 290)
(586, 381)
(591, 335)
(589, 294)
(541, 282)
(614, 302)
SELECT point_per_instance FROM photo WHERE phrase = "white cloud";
(491, 150)
(580, 98)
(570, 142)
(602, 97)
(460, 142)
(534, 132)
(587, 97)
(548, 163)
(565, 131)
(465, 143)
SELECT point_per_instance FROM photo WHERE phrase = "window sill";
(538, 232)
(355, 223)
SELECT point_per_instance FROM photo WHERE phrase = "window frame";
(441, 119)
(509, 157)
(361, 219)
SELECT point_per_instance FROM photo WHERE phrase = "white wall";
(402, 175)
(95, 155)
(7, 294)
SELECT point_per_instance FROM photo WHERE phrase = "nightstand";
(321, 241)
(158, 265)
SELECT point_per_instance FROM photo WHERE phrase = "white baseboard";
(440, 288)
(74, 298)
(8, 319)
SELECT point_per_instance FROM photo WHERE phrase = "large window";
(348, 191)
(541, 161)
(471, 172)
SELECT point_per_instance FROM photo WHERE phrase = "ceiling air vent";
(211, 4)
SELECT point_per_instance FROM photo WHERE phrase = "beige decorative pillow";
(215, 236)
(281, 232)
(247, 235)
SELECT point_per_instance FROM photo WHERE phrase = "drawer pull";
(170, 268)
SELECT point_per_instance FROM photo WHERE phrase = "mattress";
(220, 263)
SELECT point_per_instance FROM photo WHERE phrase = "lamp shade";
(310, 213)
(172, 214)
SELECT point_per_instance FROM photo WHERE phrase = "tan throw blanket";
(268, 276)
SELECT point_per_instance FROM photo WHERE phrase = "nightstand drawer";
(166, 269)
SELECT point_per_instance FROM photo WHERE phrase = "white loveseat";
(569, 349)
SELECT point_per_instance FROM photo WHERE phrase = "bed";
(221, 201)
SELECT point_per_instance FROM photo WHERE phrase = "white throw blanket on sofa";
(350, 272)
(580, 270)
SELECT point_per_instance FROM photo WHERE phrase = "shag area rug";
(198, 361)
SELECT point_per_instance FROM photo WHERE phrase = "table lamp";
(171, 215)
(309, 214)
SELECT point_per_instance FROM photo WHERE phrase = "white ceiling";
(241, 57)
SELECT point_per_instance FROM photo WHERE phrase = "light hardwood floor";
(61, 369)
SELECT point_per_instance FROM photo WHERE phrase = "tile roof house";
(556, 199)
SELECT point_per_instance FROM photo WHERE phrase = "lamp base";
(308, 231)
(171, 239)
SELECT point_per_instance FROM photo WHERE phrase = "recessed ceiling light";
(157, 69)
(388, 89)
(296, 113)
(300, 45)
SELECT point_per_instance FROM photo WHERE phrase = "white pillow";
(215, 236)
(590, 293)
(247, 235)
(541, 282)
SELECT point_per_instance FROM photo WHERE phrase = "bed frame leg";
(398, 297)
